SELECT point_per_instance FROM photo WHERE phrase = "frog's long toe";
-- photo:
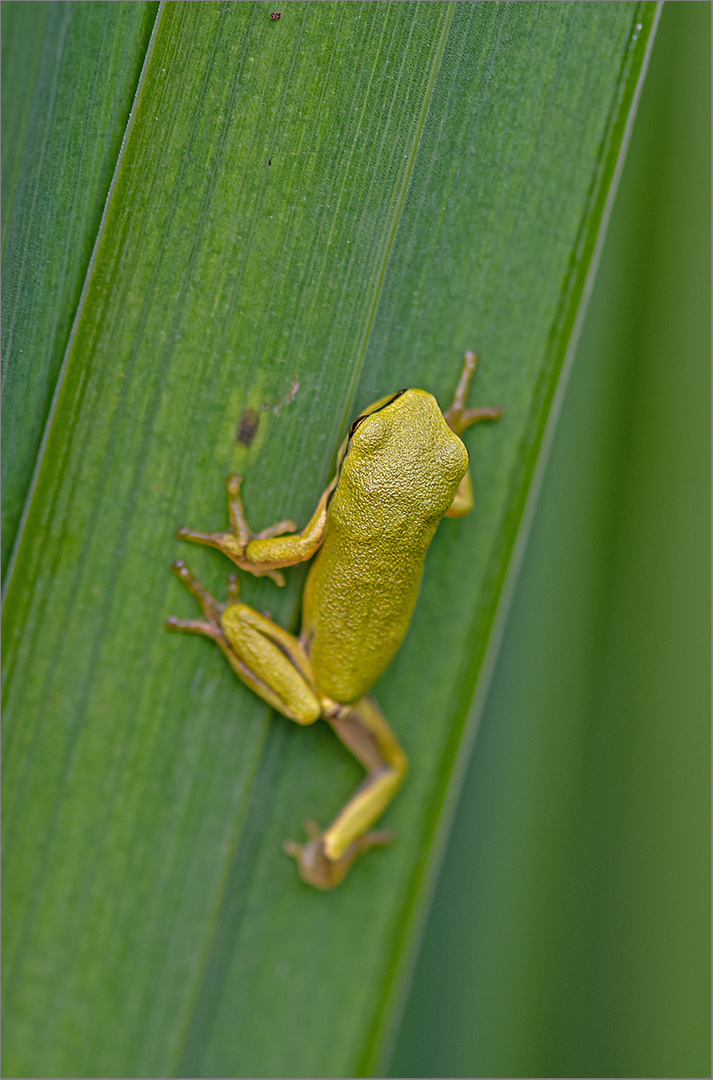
(324, 873)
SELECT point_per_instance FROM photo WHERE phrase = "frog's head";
(401, 453)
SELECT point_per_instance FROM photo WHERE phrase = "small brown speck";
(247, 428)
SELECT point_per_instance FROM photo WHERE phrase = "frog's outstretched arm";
(262, 553)
(458, 419)
(326, 857)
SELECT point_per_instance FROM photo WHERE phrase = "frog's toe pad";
(317, 869)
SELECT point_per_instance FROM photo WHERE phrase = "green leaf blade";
(69, 74)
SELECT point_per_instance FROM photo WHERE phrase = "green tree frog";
(401, 468)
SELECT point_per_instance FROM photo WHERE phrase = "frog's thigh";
(271, 662)
(363, 729)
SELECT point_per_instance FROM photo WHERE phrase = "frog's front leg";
(263, 655)
(262, 553)
(458, 419)
(327, 855)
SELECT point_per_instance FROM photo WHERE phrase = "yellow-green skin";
(400, 470)
(398, 477)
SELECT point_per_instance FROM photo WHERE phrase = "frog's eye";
(359, 420)
(385, 402)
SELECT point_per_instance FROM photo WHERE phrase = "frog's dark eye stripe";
(363, 416)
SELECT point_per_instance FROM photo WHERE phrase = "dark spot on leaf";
(247, 428)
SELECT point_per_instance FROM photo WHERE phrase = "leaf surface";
(69, 75)
(308, 213)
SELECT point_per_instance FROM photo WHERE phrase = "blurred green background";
(569, 930)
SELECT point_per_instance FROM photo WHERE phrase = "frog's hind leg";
(265, 657)
(326, 857)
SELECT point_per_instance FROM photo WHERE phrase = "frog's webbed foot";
(234, 543)
(457, 416)
(317, 869)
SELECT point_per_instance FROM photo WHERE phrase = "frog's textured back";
(364, 612)
(398, 478)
